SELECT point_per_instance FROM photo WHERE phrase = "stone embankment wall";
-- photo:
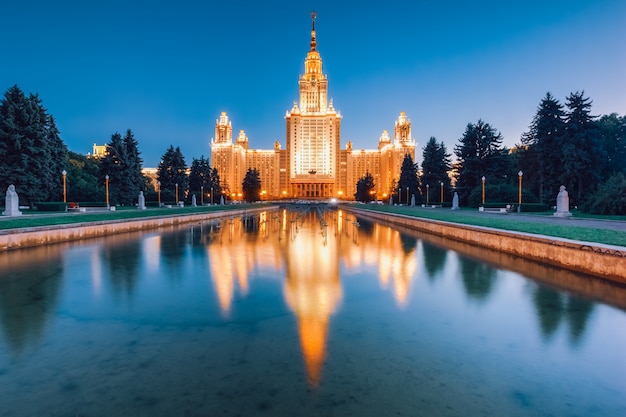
(604, 261)
(36, 236)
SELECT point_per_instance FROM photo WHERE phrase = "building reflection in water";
(313, 285)
(240, 246)
(307, 246)
(392, 253)
(305, 250)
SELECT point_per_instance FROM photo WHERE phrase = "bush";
(535, 207)
(610, 198)
(51, 206)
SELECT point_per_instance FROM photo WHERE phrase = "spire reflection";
(313, 287)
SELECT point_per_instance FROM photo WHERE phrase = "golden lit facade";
(313, 164)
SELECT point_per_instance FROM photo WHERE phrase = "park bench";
(508, 209)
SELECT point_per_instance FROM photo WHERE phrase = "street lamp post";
(442, 193)
(159, 192)
(211, 195)
(202, 195)
(427, 192)
(519, 199)
(407, 196)
(64, 172)
(399, 199)
(483, 190)
(106, 186)
(176, 193)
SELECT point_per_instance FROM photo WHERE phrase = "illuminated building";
(312, 165)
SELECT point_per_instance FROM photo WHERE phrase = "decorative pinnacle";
(313, 40)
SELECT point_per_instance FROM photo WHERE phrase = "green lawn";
(518, 224)
(36, 218)
(464, 216)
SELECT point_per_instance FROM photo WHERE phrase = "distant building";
(312, 165)
(99, 151)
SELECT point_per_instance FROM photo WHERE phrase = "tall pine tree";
(542, 147)
(31, 150)
(408, 183)
(436, 163)
(172, 170)
(122, 163)
(581, 153)
(479, 153)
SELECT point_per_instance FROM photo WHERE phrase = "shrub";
(51, 206)
(610, 198)
(535, 207)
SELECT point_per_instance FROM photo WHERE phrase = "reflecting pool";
(303, 313)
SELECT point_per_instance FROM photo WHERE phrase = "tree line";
(34, 158)
(564, 145)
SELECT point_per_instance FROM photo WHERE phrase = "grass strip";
(581, 233)
(130, 213)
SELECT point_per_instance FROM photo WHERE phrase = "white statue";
(12, 203)
(562, 203)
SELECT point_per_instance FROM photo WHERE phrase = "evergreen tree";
(479, 153)
(135, 180)
(200, 176)
(31, 151)
(365, 188)
(581, 153)
(216, 186)
(409, 182)
(172, 170)
(612, 138)
(122, 163)
(541, 149)
(251, 185)
(436, 163)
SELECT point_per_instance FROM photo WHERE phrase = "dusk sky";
(166, 69)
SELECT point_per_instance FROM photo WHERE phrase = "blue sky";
(167, 69)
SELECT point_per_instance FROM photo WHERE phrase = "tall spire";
(313, 40)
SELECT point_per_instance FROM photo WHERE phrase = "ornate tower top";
(313, 39)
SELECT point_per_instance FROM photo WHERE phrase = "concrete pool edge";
(605, 261)
(35, 236)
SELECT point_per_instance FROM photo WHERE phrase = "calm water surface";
(303, 313)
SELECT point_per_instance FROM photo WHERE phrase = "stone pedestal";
(12, 203)
(562, 203)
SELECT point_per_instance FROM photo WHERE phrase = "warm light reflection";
(152, 245)
(232, 260)
(313, 290)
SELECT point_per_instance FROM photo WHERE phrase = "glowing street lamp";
(106, 186)
(442, 192)
(176, 193)
(159, 192)
(519, 200)
(427, 192)
(483, 190)
(64, 173)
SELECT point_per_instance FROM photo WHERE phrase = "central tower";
(313, 132)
